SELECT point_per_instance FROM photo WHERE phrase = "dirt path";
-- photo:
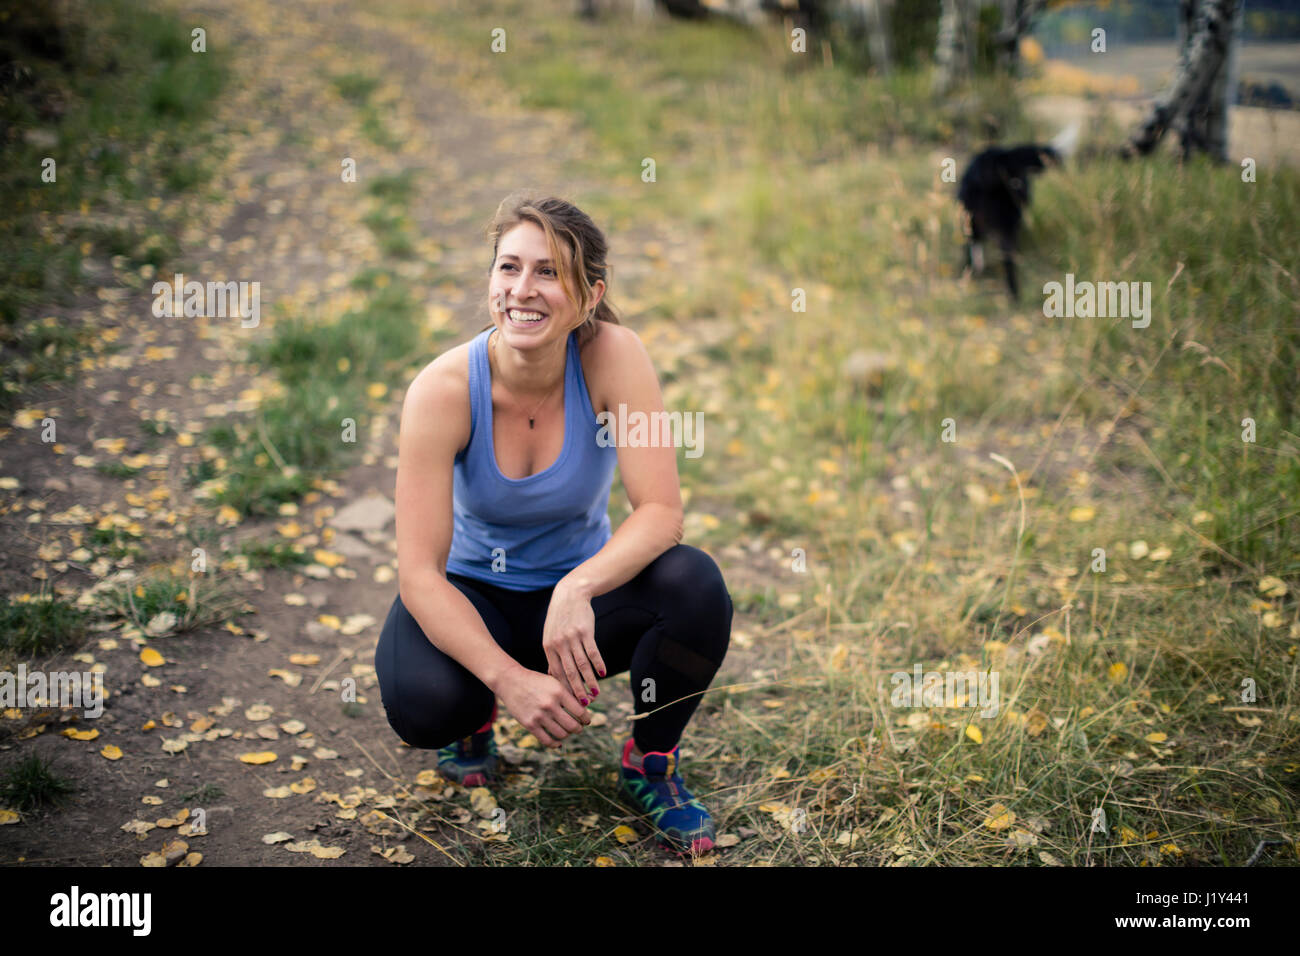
(287, 221)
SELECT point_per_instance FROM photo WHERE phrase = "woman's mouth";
(525, 318)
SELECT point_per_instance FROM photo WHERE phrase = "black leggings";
(670, 624)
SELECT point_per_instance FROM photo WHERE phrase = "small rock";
(351, 547)
(318, 631)
(371, 513)
(173, 851)
(55, 484)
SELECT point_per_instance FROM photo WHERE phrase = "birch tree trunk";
(947, 44)
(1017, 19)
(1190, 101)
(875, 15)
(1205, 127)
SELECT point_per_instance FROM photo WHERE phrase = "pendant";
(530, 423)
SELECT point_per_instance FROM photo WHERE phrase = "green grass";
(358, 89)
(273, 554)
(116, 469)
(170, 601)
(114, 542)
(204, 794)
(125, 103)
(31, 784)
(40, 626)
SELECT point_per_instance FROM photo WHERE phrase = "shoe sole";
(475, 778)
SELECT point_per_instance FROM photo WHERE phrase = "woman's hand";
(569, 640)
(541, 704)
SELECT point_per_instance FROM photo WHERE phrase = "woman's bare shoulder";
(439, 394)
(607, 359)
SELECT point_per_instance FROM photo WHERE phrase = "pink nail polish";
(584, 701)
(601, 673)
(595, 692)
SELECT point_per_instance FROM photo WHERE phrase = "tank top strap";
(480, 389)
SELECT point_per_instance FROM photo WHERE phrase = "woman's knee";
(693, 598)
(430, 717)
(430, 700)
(692, 576)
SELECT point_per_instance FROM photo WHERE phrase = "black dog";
(994, 189)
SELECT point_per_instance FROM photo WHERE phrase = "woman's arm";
(655, 525)
(649, 476)
(434, 426)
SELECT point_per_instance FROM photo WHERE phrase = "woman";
(511, 584)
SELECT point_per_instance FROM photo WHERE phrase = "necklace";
(533, 416)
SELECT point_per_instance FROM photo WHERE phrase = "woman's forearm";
(647, 532)
(453, 625)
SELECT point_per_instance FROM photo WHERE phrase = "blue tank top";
(546, 524)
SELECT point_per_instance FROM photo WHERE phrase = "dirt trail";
(286, 221)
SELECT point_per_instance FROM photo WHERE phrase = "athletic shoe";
(653, 785)
(471, 761)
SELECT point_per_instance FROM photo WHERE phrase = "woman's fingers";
(593, 655)
(552, 734)
(573, 676)
(586, 672)
(560, 725)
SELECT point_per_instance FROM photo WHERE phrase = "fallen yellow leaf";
(259, 757)
(152, 658)
(999, 817)
(1035, 722)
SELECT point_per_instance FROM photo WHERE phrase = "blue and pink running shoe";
(471, 761)
(655, 788)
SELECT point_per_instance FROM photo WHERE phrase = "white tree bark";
(947, 46)
(1202, 59)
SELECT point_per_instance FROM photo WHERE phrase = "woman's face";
(524, 279)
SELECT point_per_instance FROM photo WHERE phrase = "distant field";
(1064, 96)
(1153, 63)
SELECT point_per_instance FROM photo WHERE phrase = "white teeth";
(525, 316)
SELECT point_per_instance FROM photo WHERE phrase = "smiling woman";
(511, 582)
